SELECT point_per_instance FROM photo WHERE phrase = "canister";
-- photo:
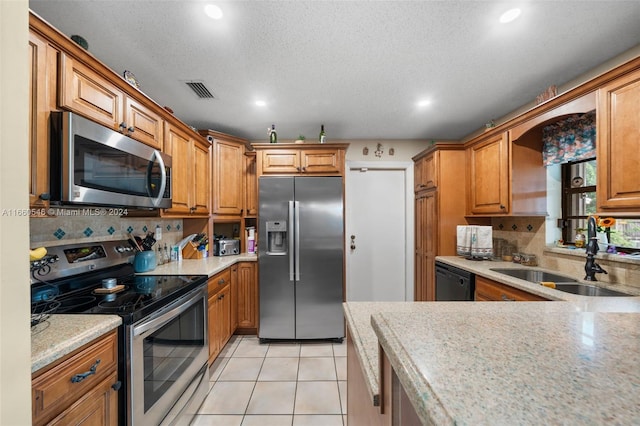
(145, 261)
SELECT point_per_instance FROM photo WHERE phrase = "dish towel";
(475, 241)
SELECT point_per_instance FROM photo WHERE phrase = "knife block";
(190, 251)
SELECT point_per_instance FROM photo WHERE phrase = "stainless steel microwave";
(94, 165)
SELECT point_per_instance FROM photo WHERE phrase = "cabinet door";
(250, 185)
(284, 161)
(147, 126)
(85, 92)
(179, 147)
(228, 162)
(201, 204)
(426, 245)
(488, 183)
(98, 407)
(213, 315)
(321, 161)
(42, 79)
(247, 295)
(618, 130)
(225, 316)
(233, 286)
(425, 173)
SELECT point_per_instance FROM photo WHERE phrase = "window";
(579, 202)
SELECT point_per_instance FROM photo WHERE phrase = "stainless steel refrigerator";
(300, 257)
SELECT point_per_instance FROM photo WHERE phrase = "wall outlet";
(236, 230)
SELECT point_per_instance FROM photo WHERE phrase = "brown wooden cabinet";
(250, 185)
(219, 312)
(489, 290)
(247, 301)
(42, 100)
(228, 166)
(292, 159)
(505, 176)
(191, 165)
(618, 130)
(439, 208)
(488, 169)
(57, 399)
(424, 171)
(86, 92)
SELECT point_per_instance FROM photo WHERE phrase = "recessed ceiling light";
(261, 103)
(510, 15)
(213, 11)
(424, 103)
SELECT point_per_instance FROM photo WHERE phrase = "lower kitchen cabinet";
(65, 394)
(488, 290)
(247, 301)
(219, 312)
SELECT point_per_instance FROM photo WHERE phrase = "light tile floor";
(277, 384)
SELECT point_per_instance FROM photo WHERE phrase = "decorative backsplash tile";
(53, 231)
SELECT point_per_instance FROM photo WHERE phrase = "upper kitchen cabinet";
(506, 176)
(294, 159)
(42, 100)
(87, 93)
(250, 185)
(191, 168)
(228, 177)
(424, 172)
(488, 176)
(618, 134)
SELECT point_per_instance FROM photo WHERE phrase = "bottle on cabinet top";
(273, 136)
(322, 138)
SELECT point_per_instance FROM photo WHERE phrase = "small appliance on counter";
(226, 247)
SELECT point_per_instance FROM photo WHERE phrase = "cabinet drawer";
(489, 290)
(53, 391)
(218, 281)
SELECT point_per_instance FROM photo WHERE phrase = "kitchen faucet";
(591, 267)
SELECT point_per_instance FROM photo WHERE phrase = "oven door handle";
(165, 316)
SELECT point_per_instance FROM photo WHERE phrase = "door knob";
(353, 242)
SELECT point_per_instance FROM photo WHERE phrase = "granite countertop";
(208, 266)
(516, 363)
(358, 316)
(484, 268)
(61, 334)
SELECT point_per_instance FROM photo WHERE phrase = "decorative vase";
(580, 240)
(603, 240)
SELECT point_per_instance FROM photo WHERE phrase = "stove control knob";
(120, 249)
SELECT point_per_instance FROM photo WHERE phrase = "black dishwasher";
(453, 283)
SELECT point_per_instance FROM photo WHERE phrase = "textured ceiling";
(359, 67)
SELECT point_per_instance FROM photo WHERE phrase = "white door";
(377, 203)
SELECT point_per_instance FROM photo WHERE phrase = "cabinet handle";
(304, 169)
(298, 168)
(131, 129)
(506, 299)
(45, 196)
(116, 386)
(221, 281)
(502, 207)
(123, 125)
(80, 377)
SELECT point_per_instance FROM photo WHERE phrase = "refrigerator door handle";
(291, 241)
(297, 212)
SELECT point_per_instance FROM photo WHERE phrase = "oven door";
(168, 355)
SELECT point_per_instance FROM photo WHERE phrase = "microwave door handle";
(163, 173)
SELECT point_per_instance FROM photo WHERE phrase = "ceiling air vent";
(200, 89)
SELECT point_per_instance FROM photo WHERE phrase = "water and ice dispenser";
(276, 237)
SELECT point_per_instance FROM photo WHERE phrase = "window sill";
(581, 253)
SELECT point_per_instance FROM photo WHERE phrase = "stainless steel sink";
(588, 290)
(534, 276)
(562, 283)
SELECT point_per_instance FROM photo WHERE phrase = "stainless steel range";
(163, 342)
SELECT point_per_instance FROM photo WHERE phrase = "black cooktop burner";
(142, 294)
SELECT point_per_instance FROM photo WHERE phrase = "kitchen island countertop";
(61, 334)
(502, 362)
